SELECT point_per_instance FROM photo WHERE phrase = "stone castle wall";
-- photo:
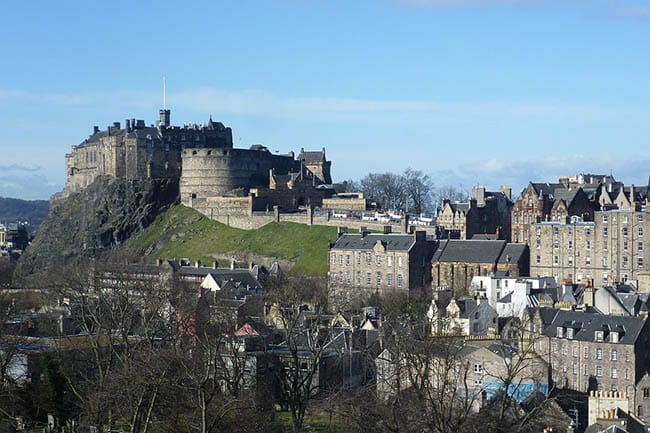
(212, 172)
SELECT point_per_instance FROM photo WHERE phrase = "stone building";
(456, 262)
(486, 213)
(202, 158)
(612, 248)
(540, 202)
(362, 264)
(589, 351)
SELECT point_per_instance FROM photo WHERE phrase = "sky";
(468, 91)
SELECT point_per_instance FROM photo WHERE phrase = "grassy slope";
(183, 232)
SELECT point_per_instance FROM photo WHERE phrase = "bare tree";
(419, 190)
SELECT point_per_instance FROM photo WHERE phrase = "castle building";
(214, 177)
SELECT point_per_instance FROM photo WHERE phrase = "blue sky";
(468, 91)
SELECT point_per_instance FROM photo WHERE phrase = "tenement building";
(610, 249)
(589, 351)
(486, 213)
(540, 202)
(362, 264)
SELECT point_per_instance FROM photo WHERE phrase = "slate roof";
(391, 241)
(469, 251)
(565, 194)
(585, 325)
(514, 252)
(223, 276)
(313, 156)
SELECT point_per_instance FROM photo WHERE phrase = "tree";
(387, 189)
(451, 193)
(419, 190)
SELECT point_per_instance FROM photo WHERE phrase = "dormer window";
(599, 336)
(569, 333)
(560, 332)
(613, 337)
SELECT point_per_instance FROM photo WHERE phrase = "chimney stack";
(165, 116)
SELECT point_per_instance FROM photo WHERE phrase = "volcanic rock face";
(101, 217)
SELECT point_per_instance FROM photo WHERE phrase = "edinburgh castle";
(214, 177)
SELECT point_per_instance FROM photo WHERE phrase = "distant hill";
(32, 211)
(183, 232)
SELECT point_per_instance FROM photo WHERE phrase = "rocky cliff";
(100, 218)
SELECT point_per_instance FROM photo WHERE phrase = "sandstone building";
(204, 162)
(362, 264)
(611, 248)
(456, 262)
(486, 213)
(589, 352)
(540, 202)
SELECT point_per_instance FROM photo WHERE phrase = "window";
(569, 335)
(646, 392)
(627, 356)
(587, 245)
(625, 260)
(604, 261)
(625, 219)
(538, 260)
(340, 259)
(599, 353)
(347, 260)
(575, 350)
(639, 218)
(586, 352)
(599, 371)
(389, 280)
(625, 231)
(478, 368)
(399, 280)
(640, 246)
(554, 347)
(333, 258)
(587, 232)
(625, 245)
(399, 262)
(556, 230)
(570, 260)
(605, 276)
(538, 243)
(358, 258)
(640, 232)
(389, 261)
(478, 382)
(538, 231)
(556, 244)
(378, 279)
(604, 232)
(599, 337)
(614, 353)
(378, 260)
(368, 258)
(614, 373)
(640, 262)
(368, 278)
(588, 261)
(604, 218)
(556, 260)
(570, 244)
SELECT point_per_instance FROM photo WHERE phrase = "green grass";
(183, 232)
(316, 422)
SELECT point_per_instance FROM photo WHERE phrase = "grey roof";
(232, 278)
(514, 252)
(470, 251)
(309, 156)
(566, 195)
(391, 241)
(585, 325)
